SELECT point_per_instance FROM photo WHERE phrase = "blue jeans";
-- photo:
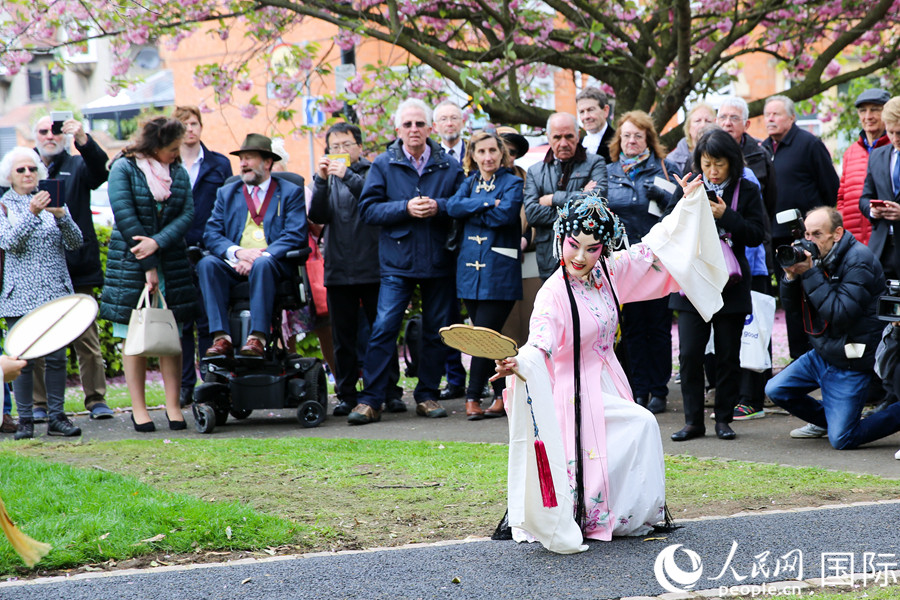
(394, 295)
(844, 393)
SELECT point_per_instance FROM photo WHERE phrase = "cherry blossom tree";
(651, 54)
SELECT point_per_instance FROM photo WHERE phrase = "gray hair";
(788, 104)
(739, 103)
(15, 155)
(412, 103)
(450, 104)
(563, 114)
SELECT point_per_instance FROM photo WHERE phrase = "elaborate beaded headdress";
(588, 214)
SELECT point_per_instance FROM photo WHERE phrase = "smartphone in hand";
(711, 195)
(877, 204)
(56, 190)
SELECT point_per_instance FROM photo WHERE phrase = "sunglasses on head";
(409, 124)
(21, 170)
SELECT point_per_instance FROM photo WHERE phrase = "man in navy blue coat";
(406, 195)
(208, 170)
(255, 222)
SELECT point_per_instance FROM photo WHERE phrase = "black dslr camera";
(889, 305)
(790, 255)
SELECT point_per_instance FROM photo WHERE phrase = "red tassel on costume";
(548, 492)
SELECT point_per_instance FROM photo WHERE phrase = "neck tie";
(254, 194)
(895, 175)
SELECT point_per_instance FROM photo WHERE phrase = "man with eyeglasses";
(734, 117)
(351, 261)
(80, 174)
(406, 195)
(449, 123)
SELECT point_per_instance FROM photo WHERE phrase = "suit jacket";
(284, 224)
(603, 149)
(878, 186)
(214, 170)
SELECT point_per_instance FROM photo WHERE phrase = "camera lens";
(788, 256)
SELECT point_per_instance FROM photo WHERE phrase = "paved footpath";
(484, 569)
(499, 570)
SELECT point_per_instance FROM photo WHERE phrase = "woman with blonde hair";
(698, 117)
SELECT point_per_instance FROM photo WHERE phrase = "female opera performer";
(605, 450)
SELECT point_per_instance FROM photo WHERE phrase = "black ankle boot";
(25, 429)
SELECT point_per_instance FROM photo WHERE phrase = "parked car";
(100, 209)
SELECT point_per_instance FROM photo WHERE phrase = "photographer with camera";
(835, 296)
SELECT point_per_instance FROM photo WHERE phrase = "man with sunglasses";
(80, 174)
(406, 194)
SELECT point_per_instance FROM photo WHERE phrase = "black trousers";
(693, 333)
(647, 336)
(491, 314)
(352, 309)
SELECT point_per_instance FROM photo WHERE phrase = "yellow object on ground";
(30, 550)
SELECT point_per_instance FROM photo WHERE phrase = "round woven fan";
(479, 341)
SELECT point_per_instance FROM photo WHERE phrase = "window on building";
(36, 84)
(57, 86)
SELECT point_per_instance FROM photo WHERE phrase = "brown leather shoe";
(220, 347)
(496, 409)
(430, 409)
(9, 425)
(363, 414)
(253, 347)
(474, 411)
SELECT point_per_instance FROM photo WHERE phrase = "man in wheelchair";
(255, 222)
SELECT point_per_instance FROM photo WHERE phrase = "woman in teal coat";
(489, 269)
(150, 196)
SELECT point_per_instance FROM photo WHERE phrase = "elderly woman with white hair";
(35, 236)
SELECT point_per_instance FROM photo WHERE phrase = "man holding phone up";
(78, 175)
(880, 198)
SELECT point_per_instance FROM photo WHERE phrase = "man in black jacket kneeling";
(836, 296)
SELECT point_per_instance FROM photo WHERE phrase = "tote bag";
(757, 334)
(152, 331)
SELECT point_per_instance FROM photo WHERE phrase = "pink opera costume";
(621, 466)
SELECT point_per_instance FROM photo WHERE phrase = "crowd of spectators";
(449, 215)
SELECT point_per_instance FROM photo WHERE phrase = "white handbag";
(152, 331)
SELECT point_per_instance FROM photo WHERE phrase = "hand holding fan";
(481, 342)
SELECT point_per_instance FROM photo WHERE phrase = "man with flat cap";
(869, 106)
(255, 222)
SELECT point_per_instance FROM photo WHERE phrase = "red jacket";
(856, 161)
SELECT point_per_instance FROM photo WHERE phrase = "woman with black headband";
(612, 446)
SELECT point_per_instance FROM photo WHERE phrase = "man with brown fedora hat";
(255, 222)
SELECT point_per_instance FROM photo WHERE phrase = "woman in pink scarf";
(150, 195)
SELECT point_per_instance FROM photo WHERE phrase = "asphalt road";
(500, 570)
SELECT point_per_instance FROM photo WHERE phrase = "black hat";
(873, 96)
(515, 138)
(257, 142)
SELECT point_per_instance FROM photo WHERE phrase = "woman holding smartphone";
(737, 207)
(35, 237)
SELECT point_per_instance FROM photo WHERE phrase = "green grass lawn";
(315, 494)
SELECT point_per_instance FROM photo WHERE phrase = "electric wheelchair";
(280, 379)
